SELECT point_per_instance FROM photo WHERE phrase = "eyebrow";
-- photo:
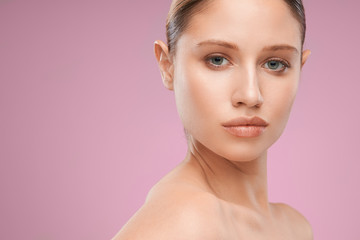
(280, 47)
(235, 47)
(219, 43)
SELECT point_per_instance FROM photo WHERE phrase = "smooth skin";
(236, 58)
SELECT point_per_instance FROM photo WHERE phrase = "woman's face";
(237, 59)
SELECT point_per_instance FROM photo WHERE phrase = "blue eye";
(218, 61)
(276, 65)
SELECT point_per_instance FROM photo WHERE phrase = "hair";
(181, 12)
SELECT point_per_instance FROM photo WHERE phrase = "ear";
(305, 55)
(165, 64)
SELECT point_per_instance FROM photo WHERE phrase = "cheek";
(279, 98)
(198, 95)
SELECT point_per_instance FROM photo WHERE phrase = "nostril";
(249, 96)
(240, 103)
(256, 105)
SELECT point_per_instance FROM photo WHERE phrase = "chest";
(239, 224)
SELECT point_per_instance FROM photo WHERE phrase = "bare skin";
(185, 205)
(219, 73)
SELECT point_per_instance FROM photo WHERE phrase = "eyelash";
(285, 63)
(216, 67)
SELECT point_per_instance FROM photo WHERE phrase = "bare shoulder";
(299, 223)
(174, 211)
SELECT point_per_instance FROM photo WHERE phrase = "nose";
(247, 91)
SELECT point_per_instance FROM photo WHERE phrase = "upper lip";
(246, 121)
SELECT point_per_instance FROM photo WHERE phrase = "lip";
(246, 126)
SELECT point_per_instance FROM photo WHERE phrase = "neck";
(241, 183)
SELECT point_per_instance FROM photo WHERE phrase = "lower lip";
(245, 131)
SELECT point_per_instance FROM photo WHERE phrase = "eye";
(276, 65)
(217, 61)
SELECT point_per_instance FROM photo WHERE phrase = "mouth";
(245, 126)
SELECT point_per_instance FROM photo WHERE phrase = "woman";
(234, 67)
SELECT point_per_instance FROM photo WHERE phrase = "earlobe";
(165, 63)
(305, 55)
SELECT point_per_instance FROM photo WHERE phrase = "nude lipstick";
(246, 126)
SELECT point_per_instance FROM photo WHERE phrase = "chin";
(236, 149)
(247, 149)
(243, 152)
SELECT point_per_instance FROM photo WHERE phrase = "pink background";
(86, 127)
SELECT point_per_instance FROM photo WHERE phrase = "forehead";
(252, 24)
